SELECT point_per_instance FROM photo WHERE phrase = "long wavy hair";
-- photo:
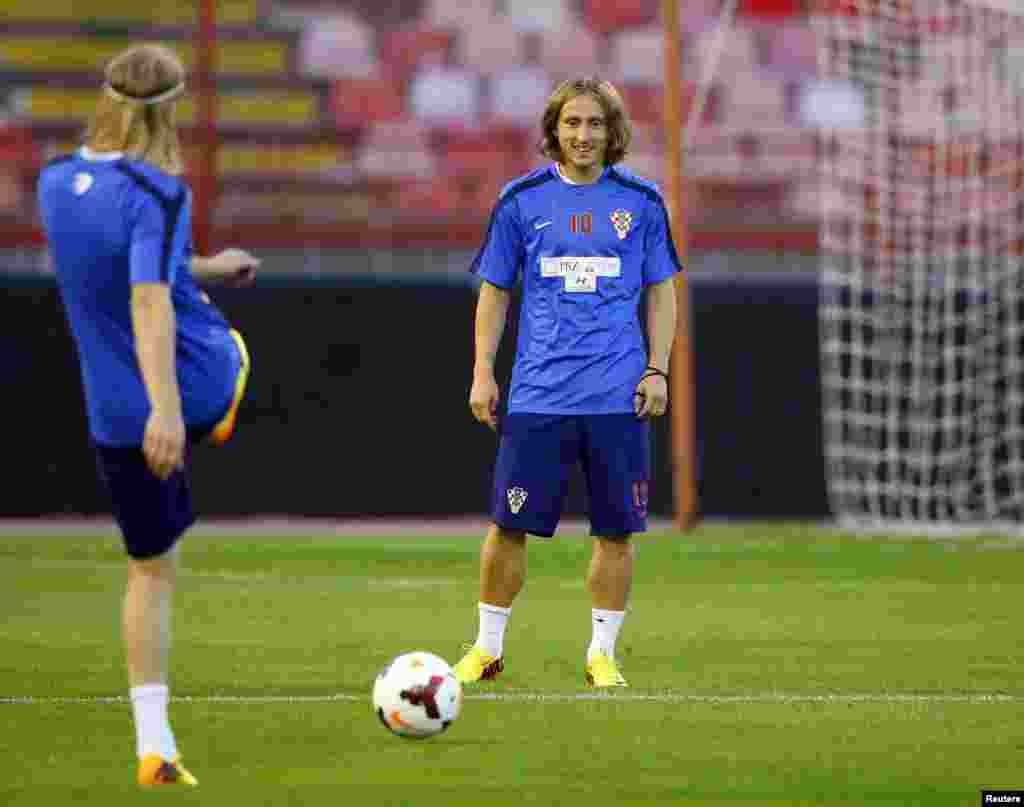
(620, 131)
(126, 118)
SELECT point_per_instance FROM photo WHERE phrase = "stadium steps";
(46, 49)
(153, 12)
(250, 103)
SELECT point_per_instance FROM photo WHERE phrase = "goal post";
(922, 302)
(682, 394)
(205, 170)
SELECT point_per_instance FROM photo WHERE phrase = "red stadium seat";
(770, 8)
(477, 153)
(606, 16)
(402, 51)
(396, 149)
(643, 102)
(357, 101)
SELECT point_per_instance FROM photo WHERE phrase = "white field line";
(522, 696)
(283, 526)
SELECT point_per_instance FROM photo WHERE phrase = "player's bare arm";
(491, 313)
(233, 267)
(153, 321)
(652, 392)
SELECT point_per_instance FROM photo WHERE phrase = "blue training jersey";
(111, 223)
(585, 252)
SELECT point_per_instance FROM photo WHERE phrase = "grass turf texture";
(770, 664)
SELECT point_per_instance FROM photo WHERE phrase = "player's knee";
(510, 536)
(159, 568)
(614, 544)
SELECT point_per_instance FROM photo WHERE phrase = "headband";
(146, 100)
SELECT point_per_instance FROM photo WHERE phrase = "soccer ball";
(417, 695)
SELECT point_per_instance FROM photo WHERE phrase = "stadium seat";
(792, 49)
(289, 160)
(539, 16)
(572, 52)
(441, 96)
(647, 164)
(752, 101)
(455, 14)
(698, 15)
(804, 201)
(67, 53)
(774, 9)
(435, 196)
(339, 46)
(20, 158)
(637, 55)
(712, 155)
(357, 101)
(398, 149)
(647, 136)
(489, 46)
(281, 201)
(403, 51)
(518, 95)
(644, 102)
(469, 158)
(268, 107)
(606, 17)
(159, 12)
(780, 154)
(738, 53)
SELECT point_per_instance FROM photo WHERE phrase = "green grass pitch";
(770, 664)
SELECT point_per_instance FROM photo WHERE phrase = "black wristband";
(651, 370)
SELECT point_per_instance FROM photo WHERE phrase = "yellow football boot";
(603, 672)
(478, 666)
(155, 770)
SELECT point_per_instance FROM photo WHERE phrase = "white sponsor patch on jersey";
(580, 274)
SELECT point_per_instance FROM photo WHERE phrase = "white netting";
(921, 244)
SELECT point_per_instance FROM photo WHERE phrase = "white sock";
(606, 632)
(491, 638)
(152, 729)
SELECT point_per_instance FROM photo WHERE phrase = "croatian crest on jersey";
(516, 499)
(623, 220)
(81, 183)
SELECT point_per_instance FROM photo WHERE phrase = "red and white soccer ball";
(417, 695)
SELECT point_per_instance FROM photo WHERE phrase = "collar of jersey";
(106, 157)
(557, 168)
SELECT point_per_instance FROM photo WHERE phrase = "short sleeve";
(660, 259)
(159, 235)
(501, 255)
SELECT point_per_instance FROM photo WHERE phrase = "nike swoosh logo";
(542, 225)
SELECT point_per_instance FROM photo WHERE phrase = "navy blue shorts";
(537, 454)
(152, 513)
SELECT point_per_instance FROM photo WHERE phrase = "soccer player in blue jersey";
(161, 367)
(589, 241)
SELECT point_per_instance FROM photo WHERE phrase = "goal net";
(921, 245)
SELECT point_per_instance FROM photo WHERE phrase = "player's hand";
(483, 399)
(651, 398)
(232, 267)
(164, 443)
